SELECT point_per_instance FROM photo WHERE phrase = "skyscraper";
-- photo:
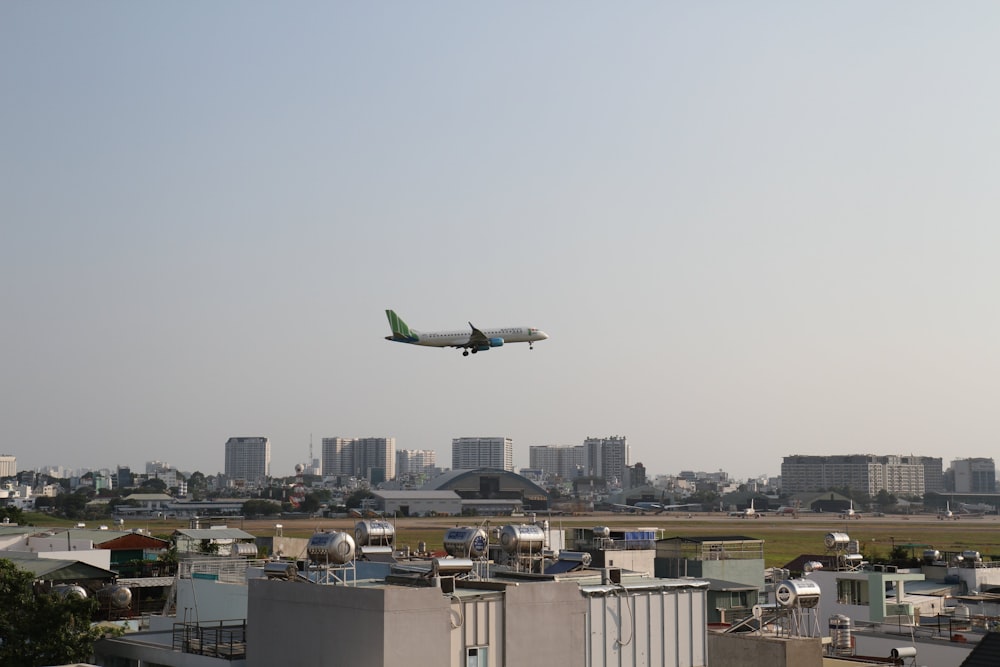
(415, 461)
(373, 459)
(472, 453)
(607, 458)
(248, 461)
(566, 461)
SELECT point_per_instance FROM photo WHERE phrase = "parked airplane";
(948, 514)
(478, 340)
(849, 513)
(748, 513)
(977, 510)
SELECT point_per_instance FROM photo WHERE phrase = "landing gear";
(465, 353)
(531, 345)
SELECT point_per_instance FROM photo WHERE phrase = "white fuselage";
(461, 338)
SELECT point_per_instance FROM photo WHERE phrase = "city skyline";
(749, 229)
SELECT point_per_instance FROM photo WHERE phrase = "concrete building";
(976, 475)
(551, 621)
(415, 462)
(899, 475)
(248, 461)
(730, 558)
(8, 466)
(418, 503)
(607, 458)
(373, 459)
(565, 461)
(472, 453)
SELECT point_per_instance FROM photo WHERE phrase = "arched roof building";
(491, 484)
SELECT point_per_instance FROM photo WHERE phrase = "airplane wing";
(630, 508)
(677, 507)
(477, 337)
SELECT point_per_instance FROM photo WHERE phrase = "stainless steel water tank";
(836, 540)
(373, 531)
(331, 547)
(840, 634)
(522, 539)
(797, 592)
(465, 542)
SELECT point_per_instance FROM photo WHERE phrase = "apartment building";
(472, 453)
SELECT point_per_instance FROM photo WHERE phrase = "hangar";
(506, 490)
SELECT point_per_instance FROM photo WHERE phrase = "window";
(477, 657)
(852, 591)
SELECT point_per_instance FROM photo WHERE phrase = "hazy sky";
(751, 229)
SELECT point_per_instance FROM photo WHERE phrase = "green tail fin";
(398, 326)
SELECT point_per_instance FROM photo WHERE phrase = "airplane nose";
(543, 335)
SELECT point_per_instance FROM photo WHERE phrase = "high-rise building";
(248, 461)
(900, 475)
(566, 461)
(415, 461)
(373, 459)
(975, 475)
(124, 480)
(8, 465)
(472, 453)
(607, 458)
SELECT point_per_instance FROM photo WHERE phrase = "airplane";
(792, 510)
(976, 511)
(478, 340)
(849, 513)
(947, 514)
(644, 506)
(748, 513)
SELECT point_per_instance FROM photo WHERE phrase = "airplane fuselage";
(461, 338)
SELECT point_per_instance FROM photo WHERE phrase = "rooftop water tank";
(465, 542)
(69, 591)
(836, 540)
(330, 547)
(522, 539)
(115, 596)
(840, 634)
(374, 531)
(797, 592)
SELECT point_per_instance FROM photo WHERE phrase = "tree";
(11, 514)
(261, 508)
(154, 485)
(41, 628)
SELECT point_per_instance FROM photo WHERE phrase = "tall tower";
(248, 461)
(472, 453)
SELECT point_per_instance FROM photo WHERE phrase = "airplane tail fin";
(400, 331)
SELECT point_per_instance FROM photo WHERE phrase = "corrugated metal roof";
(417, 495)
(146, 582)
(214, 533)
(986, 653)
(60, 570)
